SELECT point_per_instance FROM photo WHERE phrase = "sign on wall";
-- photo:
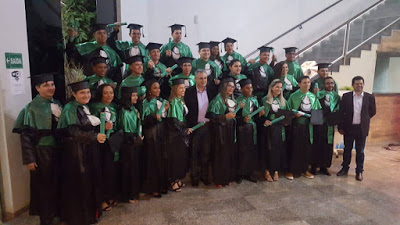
(15, 75)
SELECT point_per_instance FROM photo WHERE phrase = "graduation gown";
(228, 58)
(247, 136)
(154, 168)
(302, 131)
(261, 76)
(130, 153)
(81, 192)
(127, 49)
(324, 134)
(178, 50)
(223, 137)
(272, 146)
(289, 86)
(213, 71)
(110, 168)
(95, 81)
(295, 70)
(82, 54)
(177, 142)
(218, 62)
(36, 125)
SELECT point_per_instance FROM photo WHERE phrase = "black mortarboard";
(177, 27)
(214, 43)
(136, 58)
(203, 45)
(98, 26)
(288, 114)
(133, 26)
(80, 85)
(178, 81)
(230, 40)
(334, 118)
(244, 82)
(96, 60)
(98, 52)
(323, 65)
(128, 90)
(227, 80)
(150, 46)
(150, 82)
(41, 78)
(265, 49)
(183, 60)
(290, 50)
(317, 117)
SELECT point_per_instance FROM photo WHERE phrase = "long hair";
(125, 101)
(173, 93)
(278, 69)
(223, 91)
(270, 96)
(148, 88)
(99, 91)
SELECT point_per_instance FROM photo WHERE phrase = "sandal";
(112, 202)
(133, 201)
(156, 195)
(107, 208)
(181, 184)
(178, 189)
(276, 176)
(268, 176)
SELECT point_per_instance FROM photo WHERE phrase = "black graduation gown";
(154, 168)
(272, 149)
(82, 184)
(321, 150)
(44, 182)
(246, 148)
(223, 148)
(176, 145)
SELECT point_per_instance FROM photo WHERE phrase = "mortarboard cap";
(265, 49)
(98, 26)
(214, 43)
(136, 58)
(96, 60)
(177, 27)
(323, 65)
(183, 60)
(203, 45)
(151, 46)
(80, 85)
(178, 81)
(41, 78)
(244, 82)
(290, 50)
(133, 26)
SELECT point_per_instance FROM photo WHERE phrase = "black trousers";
(200, 153)
(351, 136)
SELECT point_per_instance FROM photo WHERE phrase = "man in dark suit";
(357, 108)
(197, 99)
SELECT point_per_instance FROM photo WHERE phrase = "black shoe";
(342, 172)
(195, 183)
(324, 171)
(158, 195)
(313, 170)
(239, 180)
(252, 179)
(359, 177)
(206, 182)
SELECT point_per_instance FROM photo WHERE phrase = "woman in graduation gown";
(130, 152)
(273, 143)
(221, 113)
(36, 125)
(302, 130)
(289, 82)
(81, 185)
(154, 173)
(110, 168)
(177, 141)
(215, 56)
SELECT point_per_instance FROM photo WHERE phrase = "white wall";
(15, 176)
(252, 22)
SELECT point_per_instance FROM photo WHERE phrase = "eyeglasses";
(231, 86)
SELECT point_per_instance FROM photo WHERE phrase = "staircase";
(361, 29)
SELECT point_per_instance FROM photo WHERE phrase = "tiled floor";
(320, 201)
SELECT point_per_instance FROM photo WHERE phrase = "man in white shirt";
(357, 108)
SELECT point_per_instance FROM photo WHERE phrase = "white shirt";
(357, 106)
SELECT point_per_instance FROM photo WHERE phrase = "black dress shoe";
(313, 170)
(324, 171)
(359, 177)
(342, 172)
(252, 179)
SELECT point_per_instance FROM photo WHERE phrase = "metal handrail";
(365, 41)
(297, 26)
(347, 23)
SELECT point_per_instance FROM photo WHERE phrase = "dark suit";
(356, 132)
(200, 138)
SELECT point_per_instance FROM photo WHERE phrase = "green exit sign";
(13, 60)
